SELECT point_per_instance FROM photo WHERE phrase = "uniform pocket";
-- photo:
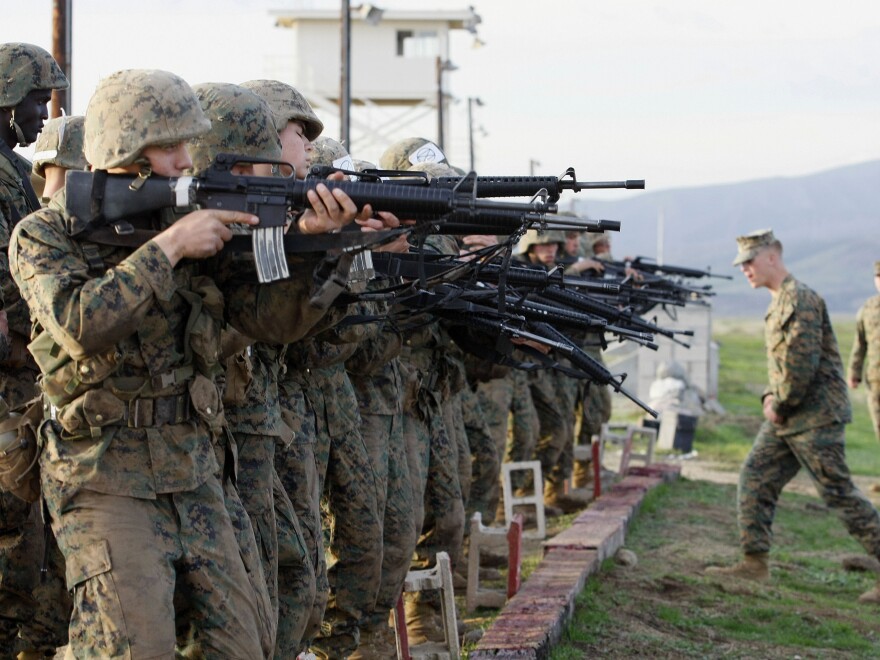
(97, 622)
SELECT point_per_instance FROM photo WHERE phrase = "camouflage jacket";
(259, 411)
(130, 348)
(864, 360)
(804, 368)
(13, 207)
(374, 369)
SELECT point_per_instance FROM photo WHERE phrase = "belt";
(160, 411)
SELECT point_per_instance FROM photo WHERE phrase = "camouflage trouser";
(873, 396)
(495, 399)
(125, 559)
(774, 461)
(485, 458)
(526, 426)
(433, 464)
(278, 534)
(383, 436)
(553, 399)
(595, 410)
(302, 589)
(354, 564)
(454, 423)
(33, 609)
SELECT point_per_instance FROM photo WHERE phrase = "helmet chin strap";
(22, 142)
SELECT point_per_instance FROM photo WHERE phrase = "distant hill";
(829, 224)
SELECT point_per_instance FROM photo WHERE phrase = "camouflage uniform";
(242, 123)
(39, 615)
(375, 374)
(129, 350)
(806, 381)
(346, 477)
(864, 361)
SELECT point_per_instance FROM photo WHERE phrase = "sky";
(681, 93)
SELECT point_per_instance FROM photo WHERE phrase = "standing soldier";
(864, 361)
(806, 408)
(29, 74)
(127, 339)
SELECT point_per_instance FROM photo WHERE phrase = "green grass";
(741, 379)
(809, 608)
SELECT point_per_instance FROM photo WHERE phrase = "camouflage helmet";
(411, 151)
(138, 108)
(535, 237)
(433, 170)
(361, 165)
(287, 104)
(241, 123)
(60, 143)
(24, 68)
(331, 153)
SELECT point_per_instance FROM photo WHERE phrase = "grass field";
(667, 608)
(741, 379)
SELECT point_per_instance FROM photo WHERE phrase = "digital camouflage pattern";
(241, 123)
(485, 465)
(120, 123)
(287, 104)
(121, 356)
(537, 237)
(806, 377)
(60, 143)
(804, 368)
(775, 459)
(327, 151)
(405, 153)
(39, 623)
(302, 595)
(26, 67)
(864, 360)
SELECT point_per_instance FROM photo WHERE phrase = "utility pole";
(471, 101)
(345, 78)
(61, 38)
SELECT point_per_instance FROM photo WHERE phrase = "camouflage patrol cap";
(751, 244)
(138, 108)
(433, 170)
(60, 143)
(24, 68)
(534, 237)
(287, 104)
(331, 153)
(411, 151)
(241, 123)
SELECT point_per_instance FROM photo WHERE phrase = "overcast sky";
(679, 92)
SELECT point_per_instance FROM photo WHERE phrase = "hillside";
(827, 221)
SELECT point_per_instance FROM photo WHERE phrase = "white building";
(397, 68)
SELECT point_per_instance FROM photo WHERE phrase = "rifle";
(504, 186)
(98, 199)
(651, 266)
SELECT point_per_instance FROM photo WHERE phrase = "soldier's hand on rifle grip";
(383, 220)
(200, 234)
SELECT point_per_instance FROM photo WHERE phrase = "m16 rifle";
(98, 199)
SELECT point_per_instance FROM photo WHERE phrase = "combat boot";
(752, 567)
(423, 622)
(555, 496)
(377, 643)
(582, 474)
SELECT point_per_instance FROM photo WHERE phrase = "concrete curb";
(532, 622)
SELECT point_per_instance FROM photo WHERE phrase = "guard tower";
(398, 60)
